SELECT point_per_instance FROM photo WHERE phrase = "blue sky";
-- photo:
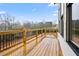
(35, 12)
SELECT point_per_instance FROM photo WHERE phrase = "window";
(62, 26)
(75, 24)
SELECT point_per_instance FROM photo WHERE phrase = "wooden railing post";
(56, 34)
(36, 37)
(41, 32)
(24, 42)
(45, 32)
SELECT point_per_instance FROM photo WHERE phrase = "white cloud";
(51, 4)
(2, 12)
(54, 14)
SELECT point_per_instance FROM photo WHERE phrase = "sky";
(31, 12)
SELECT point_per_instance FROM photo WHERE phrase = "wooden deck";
(48, 47)
(19, 50)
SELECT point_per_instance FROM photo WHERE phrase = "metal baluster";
(13, 38)
(16, 38)
(0, 42)
(3, 41)
(7, 40)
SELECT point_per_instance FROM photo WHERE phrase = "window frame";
(74, 47)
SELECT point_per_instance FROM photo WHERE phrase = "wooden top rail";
(10, 32)
(23, 29)
(19, 30)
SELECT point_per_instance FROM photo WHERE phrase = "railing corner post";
(36, 37)
(24, 41)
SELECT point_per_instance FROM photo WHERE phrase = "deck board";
(48, 47)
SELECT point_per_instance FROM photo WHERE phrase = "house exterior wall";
(66, 12)
(61, 19)
(65, 20)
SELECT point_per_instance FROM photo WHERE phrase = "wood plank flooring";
(48, 47)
